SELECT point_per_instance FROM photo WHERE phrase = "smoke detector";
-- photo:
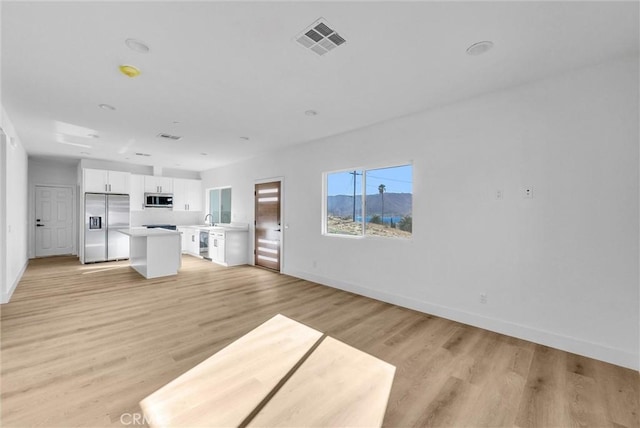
(319, 37)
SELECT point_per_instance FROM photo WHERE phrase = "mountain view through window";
(373, 202)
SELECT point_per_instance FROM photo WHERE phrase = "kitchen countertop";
(219, 228)
(139, 232)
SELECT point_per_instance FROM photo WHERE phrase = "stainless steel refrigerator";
(104, 214)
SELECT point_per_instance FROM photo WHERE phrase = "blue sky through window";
(396, 180)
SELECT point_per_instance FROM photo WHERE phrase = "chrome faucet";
(205, 219)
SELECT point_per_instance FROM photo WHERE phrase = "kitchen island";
(154, 253)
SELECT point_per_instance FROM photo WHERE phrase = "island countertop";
(140, 232)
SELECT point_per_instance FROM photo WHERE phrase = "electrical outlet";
(499, 194)
(527, 192)
(483, 298)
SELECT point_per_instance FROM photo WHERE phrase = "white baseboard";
(597, 351)
(7, 295)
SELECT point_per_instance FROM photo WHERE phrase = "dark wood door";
(268, 227)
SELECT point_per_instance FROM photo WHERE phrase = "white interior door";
(54, 221)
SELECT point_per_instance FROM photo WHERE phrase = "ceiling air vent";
(319, 37)
(169, 136)
(142, 154)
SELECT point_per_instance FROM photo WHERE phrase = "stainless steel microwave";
(158, 200)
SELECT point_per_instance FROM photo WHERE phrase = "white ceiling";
(227, 70)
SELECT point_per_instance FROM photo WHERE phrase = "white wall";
(559, 269)
(50, 172)
(3, 217)
(14, 215)
(164, 216)
(138, 169)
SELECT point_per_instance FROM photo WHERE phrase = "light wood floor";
(82, 345)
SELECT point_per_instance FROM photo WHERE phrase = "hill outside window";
(369, 202)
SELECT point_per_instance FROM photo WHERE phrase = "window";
(220, 205)
(381, 197)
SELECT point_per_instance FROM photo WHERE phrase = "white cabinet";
(119, 182)
(180, 195)
(216, 247)
(103, 181)
(194, 195)
(136, 200)
(154, 184)
(190, 240)
(96, 180)
(229, 247)
(187, 195)
(183, 233)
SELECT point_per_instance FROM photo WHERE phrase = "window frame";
(208, 202)
(363, 170)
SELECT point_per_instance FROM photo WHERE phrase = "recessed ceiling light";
(479, 48)
(137, 45)
(311, 112)
(129, 70)
(106, 107)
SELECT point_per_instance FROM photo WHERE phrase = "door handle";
(39, 225)
(277, 230)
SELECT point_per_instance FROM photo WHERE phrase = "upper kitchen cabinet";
(137, 192)
(103, 181)
(155, 184)
(187, 195)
